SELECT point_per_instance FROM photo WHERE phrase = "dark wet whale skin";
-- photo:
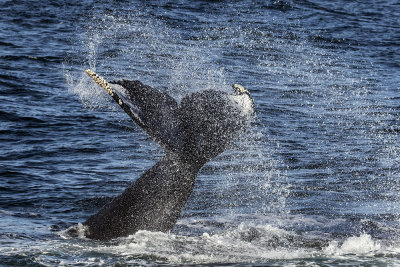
(192, 133)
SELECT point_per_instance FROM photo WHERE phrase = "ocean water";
(314, 181)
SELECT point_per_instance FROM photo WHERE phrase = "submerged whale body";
(202, 126)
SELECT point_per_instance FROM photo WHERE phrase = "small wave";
(20, 214)
(76, 231)
(8, 116)
(356, 245)
(7, 44)
(47, 59)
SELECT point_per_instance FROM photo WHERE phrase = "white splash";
(358, 245)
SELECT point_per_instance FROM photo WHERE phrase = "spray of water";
(252, 179)
(134, 48)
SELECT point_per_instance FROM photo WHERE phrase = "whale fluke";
(202, 126)
(153, 111)
(158, 112)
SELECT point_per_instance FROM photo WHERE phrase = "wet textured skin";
(153, 202)
(192, 133)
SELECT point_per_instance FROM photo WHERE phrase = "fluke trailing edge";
(202, 126)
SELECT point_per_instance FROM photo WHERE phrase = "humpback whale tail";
(191, 133)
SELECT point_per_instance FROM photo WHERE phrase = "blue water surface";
(313, 182)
